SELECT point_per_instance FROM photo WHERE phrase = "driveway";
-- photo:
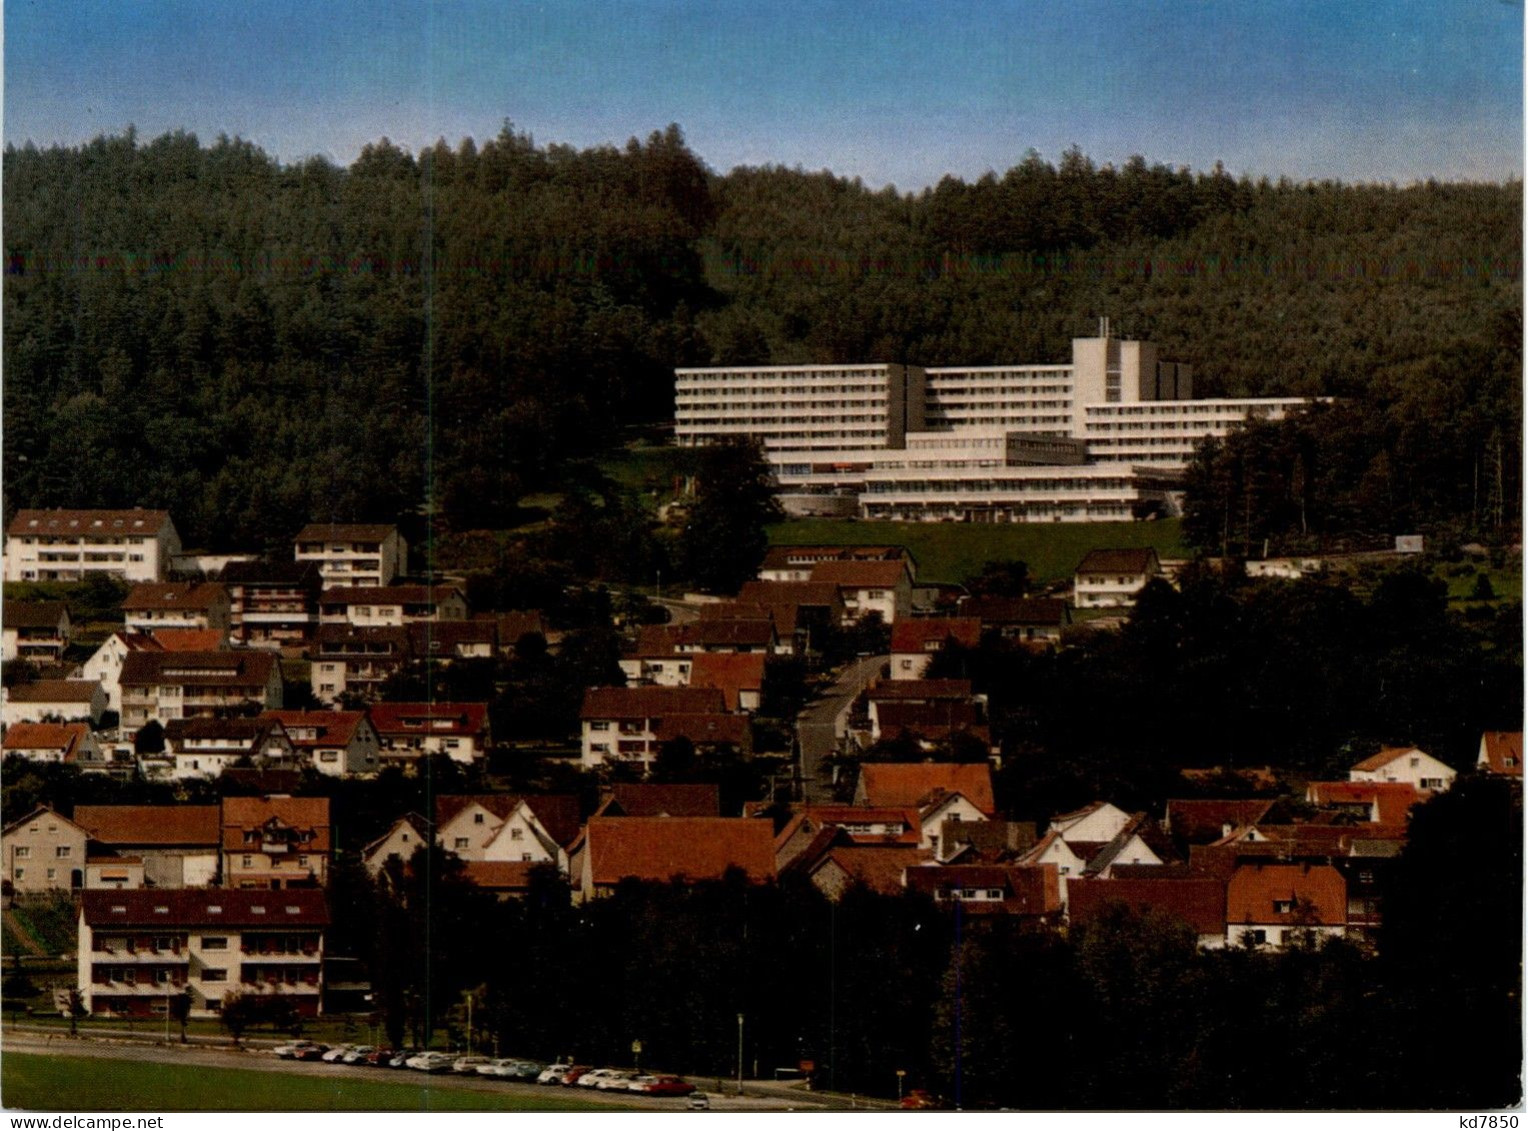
(821, 724)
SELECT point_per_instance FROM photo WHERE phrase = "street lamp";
(740, 1054)
(901, 1075)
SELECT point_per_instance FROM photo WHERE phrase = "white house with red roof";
(884, 587)
(660, 849)
(915, 642)
(622, 724)
(410, 731)
(1501, 752)
(53, 701)
(36, 631)
(1405, 764)
(71, 743)
(391, 606)
(338, 743)
(72, 545)
(1110, 579)
(176, 604)
(404, 837)
(105, 664)
(352, 553)
(1272, 904)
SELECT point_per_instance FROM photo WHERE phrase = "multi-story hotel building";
(1104, 438)
(68, 545)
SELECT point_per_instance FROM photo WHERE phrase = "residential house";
(1405, 764)
(205, 748)
(1501, 752)
(353, 553)
(392, 606)
(985, 842)
(272, 604)
(711, 733)
(1386, 803)
(350, 661)
(43, 851)
(905, 785)
(53, 700)
(72, 545)
(884, 587)
(657, 659)
(407, 732)
(508, 828)
(659, 849)
(1206, 820)
(1274, 903)
(844, 865)
(338, 743)
(795, 563)
(105, 664)
(448, 640)
(739, 676)
(620, 724)
(71, 743)
(276, 842)
(176, 604)
(34, 631)
(177, 844)
(991, 889)
(1028, 620)
(815, 828)
(161, 686)
(798, 609)
(930, 724)
(1110, 579)
(915, 641)
(404, 837)
(1096, 823)
(1197, 901)
(512, 627)
(138, 947)
(190, 639)
(919, 692)
(672, 799)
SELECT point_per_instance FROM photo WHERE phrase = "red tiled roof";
(904, 785)
(659, 848)
(500, 875)
(930, 720)
(557, 812)
(445, 636)
(190, 639)
(71, 523)
(183, 907)
(63, 737)
(199, 596)
(703, 729)
(512, 626)
(813, 594)
(650, 702)
(1027, 890)
(1500, 746)
(1199, 902)
(1254, 888)
(225, 668)
(1118, 561)
(331, 728)
(54, 691)
(642, 799)
(1385, 757)
(244, 814)
(1199, 821)
(344, 532)
(731, 673)
(33, 614)
(924, 689)
(164, 825)
(915, 635)
(1392, 800)
(861, 575)
(409, 718)
(878, 867)
(758, 632)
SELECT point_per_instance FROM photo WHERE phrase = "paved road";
(758, 1095)
(820, 727)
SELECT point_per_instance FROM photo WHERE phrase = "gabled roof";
(861, 575)
(190, 639)
(731, 673)
(204, 907)
(1137, 827)
(79, 523)
(501, 875)
(33, 614)
(879, 868)
(1027, 890)
(330, 728)
(1389, 801)
(1319, 891)
(157, 596)
(1385, 757)
(306, 814)
(903, 785)
(1049, 612)
(989, 841)
(414, 821)
(703, 729)
(345, 532)
(1119, 561)
(1199, 902)
(1501, 752)
(54, 691)
(388, 595)
(165, 826)
(757, 632)
(795, 557)
(62, 737)
(362, 636)
(557, 812)
(916, 634)
(202, 669)
(659, 848)
(436, 637)
(39, 811)
(642, 799)
(229, 730)
(650, 702)
(1196, 821)
(429, 718)
(922, 690)
(930, 720)
(273, 575)
(512, 626)
(812, 594)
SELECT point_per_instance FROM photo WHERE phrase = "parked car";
(616, 1081)
(358, 1054)
(528, 1070)
(502, 1068)
(639, 1084)
(553, 1073)
(311, 1052)
(592, 1078)
(336, 1053)
(290, 1050)
(699, 1101)
(574, 1074)
(401, 1058)
(468, 1065)
(669, 1086)
(432, 1062)
(378, 1058)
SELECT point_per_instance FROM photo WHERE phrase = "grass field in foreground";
(953, 551)
(31, 1082)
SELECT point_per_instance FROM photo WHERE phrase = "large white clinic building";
(1102, 439)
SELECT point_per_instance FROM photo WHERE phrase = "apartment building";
(138, 947)
(161, 686)
(391, 606)
(176, 605)
(352, 553)
(272, 604)
(72, 545)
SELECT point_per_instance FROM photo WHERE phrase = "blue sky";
(895, 92)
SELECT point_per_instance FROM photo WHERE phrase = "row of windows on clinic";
(988, 486)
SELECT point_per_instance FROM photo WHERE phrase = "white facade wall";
(347, 562)
(1165, 433)
(1414, 767)
(130, 555)
(1021, 398)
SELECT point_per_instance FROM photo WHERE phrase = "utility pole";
(740, 1054)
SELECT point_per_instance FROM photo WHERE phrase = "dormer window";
(1283, 906)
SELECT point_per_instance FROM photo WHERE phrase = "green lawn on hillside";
(951, 552)
(75, 1083)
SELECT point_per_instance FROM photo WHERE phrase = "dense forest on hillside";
(253, 345)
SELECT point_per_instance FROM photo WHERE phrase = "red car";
(670, 1086)
(920, 1100)
(572, 1074)
(311, 1052)
(378, 1058)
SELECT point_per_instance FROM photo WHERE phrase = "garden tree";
(149, 739)
(724, 538)
(75, 1008)
(1000, 579)
(179, 1006)
(238, 1013)
(1452, 938)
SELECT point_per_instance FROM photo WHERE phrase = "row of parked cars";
(504, 1068)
